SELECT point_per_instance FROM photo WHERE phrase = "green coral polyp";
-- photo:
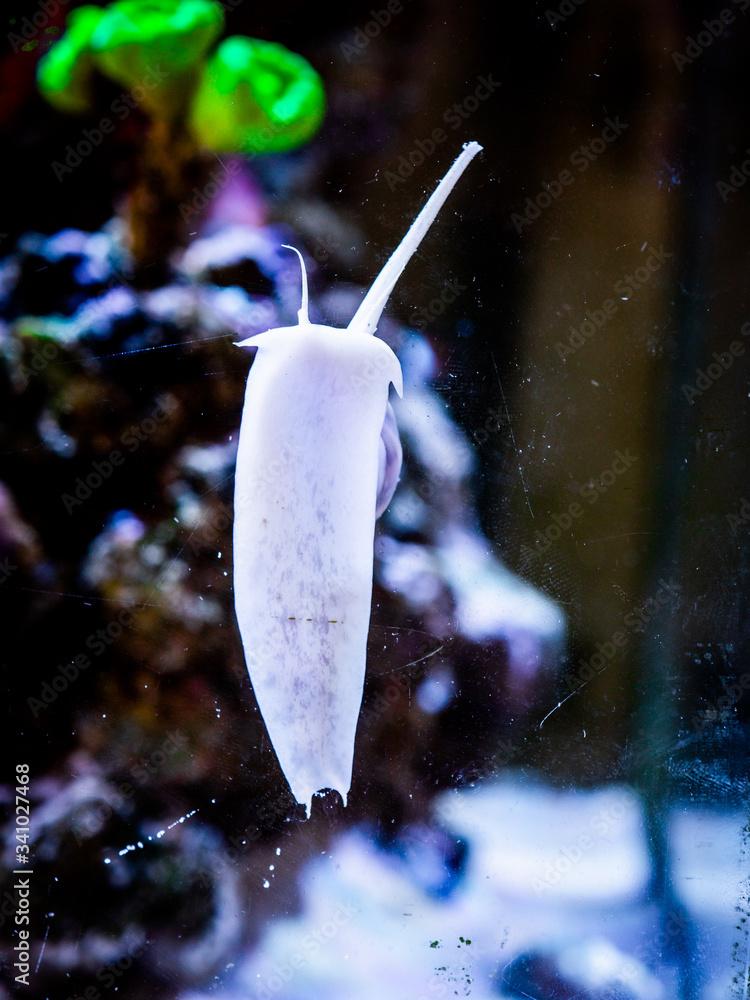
(154, 43)
(64, 72)
(256, 97)
(251, 96)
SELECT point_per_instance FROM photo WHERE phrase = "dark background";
(657, 184)
(676, 514)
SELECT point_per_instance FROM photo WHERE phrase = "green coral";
(251, 96)
(64, 73)
(256, 97)
(151, 44)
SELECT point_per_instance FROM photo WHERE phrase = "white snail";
(317, 462)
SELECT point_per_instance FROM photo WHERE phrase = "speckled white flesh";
(306, 481)
(305, 506)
